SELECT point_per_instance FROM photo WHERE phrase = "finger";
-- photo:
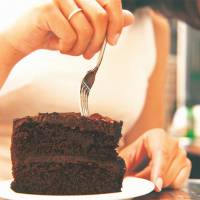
(182, 176)
(128, 155)
(81, 25)
(170, 149)
(159, 154)
(98, 18)
(116, 19)
(163, 158)
(137, 160)
(178, 163)
(135, 155)
(54, 22)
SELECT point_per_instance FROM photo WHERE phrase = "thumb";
(135, 157)
(128, 17)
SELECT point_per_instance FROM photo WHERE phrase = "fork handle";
(100, 57)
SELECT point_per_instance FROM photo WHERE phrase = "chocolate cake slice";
(66, 154)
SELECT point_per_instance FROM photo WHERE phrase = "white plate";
(131, 187)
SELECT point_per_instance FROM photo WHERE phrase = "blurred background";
(182, 89)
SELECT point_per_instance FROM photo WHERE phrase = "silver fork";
(88, 82)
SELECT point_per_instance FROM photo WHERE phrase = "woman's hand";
(157, 156)
(47, 27)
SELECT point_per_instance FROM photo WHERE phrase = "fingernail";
(159, 184)
(88, 56)
(115, 39)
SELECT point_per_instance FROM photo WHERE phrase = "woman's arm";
(9, 56)
(153, 112)
(186, 10)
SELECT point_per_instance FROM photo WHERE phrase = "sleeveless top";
(47, 81)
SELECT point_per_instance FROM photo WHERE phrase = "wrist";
(9, 56)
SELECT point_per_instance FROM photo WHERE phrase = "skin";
(47, 27)
(163, 161)
(9, 56)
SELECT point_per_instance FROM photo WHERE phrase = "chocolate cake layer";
(94, 123)
(58, 140)
(58, 176)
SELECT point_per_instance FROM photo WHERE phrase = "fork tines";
(84, 92)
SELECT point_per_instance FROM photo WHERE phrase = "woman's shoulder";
(159, 21)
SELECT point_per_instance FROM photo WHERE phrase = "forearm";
(186, 10)
(9, 56)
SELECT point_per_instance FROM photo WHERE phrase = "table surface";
(191, 191)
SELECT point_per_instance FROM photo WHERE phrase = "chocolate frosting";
(72, 120)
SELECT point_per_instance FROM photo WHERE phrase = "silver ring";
(73, 13)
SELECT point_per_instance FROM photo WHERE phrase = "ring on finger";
(73, 13)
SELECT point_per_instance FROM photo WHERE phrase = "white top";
(47, 81)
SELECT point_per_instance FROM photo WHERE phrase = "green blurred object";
(190, 129)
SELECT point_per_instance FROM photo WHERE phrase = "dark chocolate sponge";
(66, 154)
